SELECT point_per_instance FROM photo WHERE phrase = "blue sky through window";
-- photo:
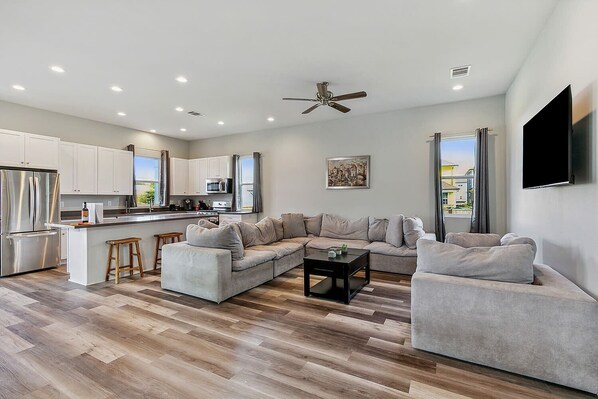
(460, 151)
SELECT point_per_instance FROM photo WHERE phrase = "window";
(246, 184)
(458, 174)
(147, 180)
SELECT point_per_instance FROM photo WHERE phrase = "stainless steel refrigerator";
(28, 200)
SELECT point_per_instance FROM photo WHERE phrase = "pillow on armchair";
(513, 263)
(293, 225)
(513, 239)
(469, 240)
(223, 237)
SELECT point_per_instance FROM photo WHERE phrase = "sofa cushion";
(223, 237)
(280, 248)
(325, 243)
(469, 240)
(512, 263)
(394, 230)
(512, 238)
(299, 240)
(313, 224)
(345, 229)
(384, 248)
(293, 225)
(252, 259)
(413, 230)
(377, 229)
(278, 229)
(260, 233)
(206, 224)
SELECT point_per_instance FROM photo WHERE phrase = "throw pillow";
(469, 240)
(413, 229)
(261, 233)
(344, 229)
(293, 225)
(278, 228)
(513, 264)
(206, 224)
(223, 238)
(377, 229)
(394, 231)
(512, 238)
(313, 224)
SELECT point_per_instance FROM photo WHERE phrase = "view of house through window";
(246, 184)
(147, 180)
(458, 174)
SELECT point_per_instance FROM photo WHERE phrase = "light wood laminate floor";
(59, 339)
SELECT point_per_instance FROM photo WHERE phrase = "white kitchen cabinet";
(203, 176)
(78, 168)
(115, 172)
(219, 167)
(179, 176)
(28, 150)
(198, 173)
(63, 245)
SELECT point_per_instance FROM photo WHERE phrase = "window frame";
(242, 184)
(460, 177)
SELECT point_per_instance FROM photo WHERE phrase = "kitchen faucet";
(151, 202)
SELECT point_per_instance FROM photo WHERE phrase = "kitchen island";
(87, 249)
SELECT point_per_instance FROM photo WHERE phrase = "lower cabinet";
(226, 218)
(63, 245)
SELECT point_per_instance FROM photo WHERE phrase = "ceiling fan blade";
(350, 96)
(339, 107)
(299, 99)
(307, 111)
(323, 89)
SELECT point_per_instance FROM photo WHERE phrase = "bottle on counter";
(85, 213)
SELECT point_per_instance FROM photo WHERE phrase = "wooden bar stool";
(118, 268)
(161, 239)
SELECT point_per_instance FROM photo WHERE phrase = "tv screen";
(547, 144)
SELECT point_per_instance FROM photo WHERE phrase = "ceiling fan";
(325, 97)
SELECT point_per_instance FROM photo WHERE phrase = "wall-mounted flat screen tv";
(547, 144)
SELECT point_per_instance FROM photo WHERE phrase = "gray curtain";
(480, 218)
(164, 178)
(439, 216)
(257, 182)
(132, 199)
(236, 202)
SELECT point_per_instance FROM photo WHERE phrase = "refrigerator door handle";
(16, 236)
(37, 199)
(31, 201)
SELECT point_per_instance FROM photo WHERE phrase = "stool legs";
(134, 252)
(110, 250)
(117, 265)
(157, 258)
(139, 263)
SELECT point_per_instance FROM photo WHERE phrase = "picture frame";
(352, 172)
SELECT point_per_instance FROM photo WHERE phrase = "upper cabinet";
(28, 150)
(198, 173)
(179, 176)
(115, 171)
(78, 168)
(219, 167)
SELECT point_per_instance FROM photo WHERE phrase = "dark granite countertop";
(236, 212)
(129, 219)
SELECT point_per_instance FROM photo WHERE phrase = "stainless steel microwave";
(219, 185)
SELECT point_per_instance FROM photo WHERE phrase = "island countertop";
(127, 219)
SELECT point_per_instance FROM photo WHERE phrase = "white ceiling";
(241, 57)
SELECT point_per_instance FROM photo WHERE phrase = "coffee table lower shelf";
(325, 289)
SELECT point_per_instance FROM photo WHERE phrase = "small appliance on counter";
(202, 205)
(188, 204)
(221, 206)
(219, 185)
(173, 207)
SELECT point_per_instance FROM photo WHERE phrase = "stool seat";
(161, 239)
(118, 268)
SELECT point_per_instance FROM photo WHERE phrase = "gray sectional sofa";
(273, 246)
(492, 315)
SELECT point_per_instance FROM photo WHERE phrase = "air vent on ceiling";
(194, 113)
(460, 72)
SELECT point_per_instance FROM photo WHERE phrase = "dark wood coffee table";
(341, 282)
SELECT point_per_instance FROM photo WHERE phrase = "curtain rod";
(460, 134)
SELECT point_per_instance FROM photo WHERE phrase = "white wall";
(563, 220)
(294, 160)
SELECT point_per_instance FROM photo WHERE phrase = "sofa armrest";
(197, 271)
(547, 330)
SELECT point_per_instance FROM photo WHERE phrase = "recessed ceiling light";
(18, 87)
(457, 87)
(180, 109)
(153, 130)
(57, 69)
(183, 129)
(116, 88)
(181, 79)
(270, 119)
(220, 123)
(121, 114)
